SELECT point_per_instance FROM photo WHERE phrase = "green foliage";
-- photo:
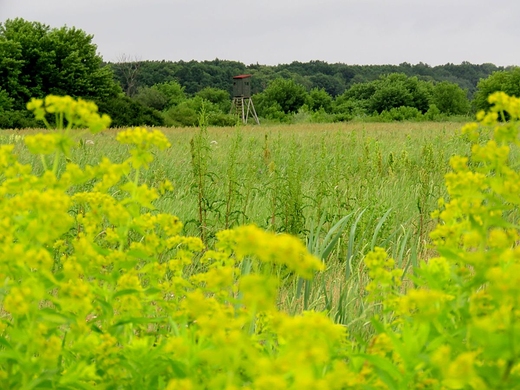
(319, 99)
(389, 97)
(306, 115)
(221, 119)
(179, 110)
(433, 113)
(173, 92)
(181, 115)
(334, 78)
(402, 113)
(358, 92)
(187, 114)
(125, 111)
(450, 99)
(15, 119)
(269, 110)
(36, 60)
(396, 90)
(152, 97)
(507, 81)
(349, 107)
(219, 97)
(6, 102)
(387, 93)
(284, 95)
(331, 84)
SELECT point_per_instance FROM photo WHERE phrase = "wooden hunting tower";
(242, 103)
(242, 86)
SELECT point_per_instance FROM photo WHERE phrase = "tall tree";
(507, 81)
(36, 60)
(450, 98)
(397, 90)
(319, 99)
(286, 94)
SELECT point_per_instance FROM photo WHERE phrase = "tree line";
(333, 78)
(37, 60)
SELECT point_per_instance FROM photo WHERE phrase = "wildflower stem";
(46, 123)
(136, 180)
(56, 163)
(44, 163)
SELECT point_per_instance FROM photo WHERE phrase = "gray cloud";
(282, 31)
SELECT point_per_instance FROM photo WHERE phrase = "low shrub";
(402, 113)
(125, 111)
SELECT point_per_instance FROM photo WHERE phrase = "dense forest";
(37, 60)
(333, 78)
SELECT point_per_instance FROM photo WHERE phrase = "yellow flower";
(52, 349)
(42, 143)
(438, 267)
(129, 281)
(385, 277)
(143, 140)
(472, 131)
(270, 382)
(461, 373)
(77, 113)
(18, 301)
(259, 292)
(270, 248)
(165, 186)
(459, 163)
(381, 345)
(180, 384)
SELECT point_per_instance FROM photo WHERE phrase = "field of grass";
(366, 184)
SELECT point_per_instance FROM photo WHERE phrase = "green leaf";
(140, 320)
(127, 291)
(5, 343)
(386, 370)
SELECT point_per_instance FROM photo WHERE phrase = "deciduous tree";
(37, 60)
(450, 98)
(507, 81)
(319, 98)
(285, 93)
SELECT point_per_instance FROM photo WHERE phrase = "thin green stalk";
(44, 163)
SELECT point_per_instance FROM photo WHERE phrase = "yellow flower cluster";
(77, 112)
(385, 278)
(142, 140)
(270, 248)
(18, 300)
(424, 304)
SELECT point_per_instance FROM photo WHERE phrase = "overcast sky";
(282, 31)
